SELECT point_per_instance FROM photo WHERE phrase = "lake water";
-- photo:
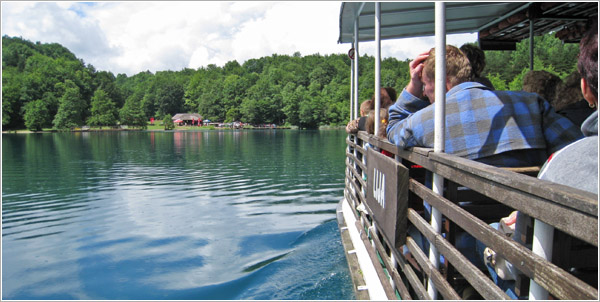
(173, 215)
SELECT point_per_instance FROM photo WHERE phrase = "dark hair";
(476, 57)
(543, 83)
(587, 64)
(391, 92)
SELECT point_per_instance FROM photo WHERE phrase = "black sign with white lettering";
(387, 196)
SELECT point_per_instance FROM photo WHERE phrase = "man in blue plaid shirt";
(500, 128)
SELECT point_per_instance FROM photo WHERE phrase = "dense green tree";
(31, 73)
(104, 110)
(168, 122)
(15, 52)
(169, 97)
(251, 111)
(204, 93)
(106, 81)
(233, 68)
(11, 94)
(291, 97)
(132, 113)
(552, 54)
(71, 108)
(148, 104)
(36, 115)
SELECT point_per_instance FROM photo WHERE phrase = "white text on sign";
(379, 187)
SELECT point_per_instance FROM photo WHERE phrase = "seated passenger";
(387, 97)
(476, 57)
(569, 101)
(383, 117)
(501, 128)
(359, 124)
(575, 165)
(543, 83)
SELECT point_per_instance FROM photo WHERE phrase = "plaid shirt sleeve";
(559, 131)
(401, 127)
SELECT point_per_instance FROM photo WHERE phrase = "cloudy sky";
(130, 37)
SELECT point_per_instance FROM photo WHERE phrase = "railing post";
(356, 55)
(352, 88)
(377, 66)
(439, 130)
(543, 238)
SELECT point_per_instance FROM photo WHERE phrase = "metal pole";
(531, 44)
(543, 239)
(439, 131)
(356, 55)
(351, 88)
(377, 66)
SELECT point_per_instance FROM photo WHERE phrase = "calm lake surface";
(173, 215)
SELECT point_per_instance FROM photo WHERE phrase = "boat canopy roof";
(500, 25)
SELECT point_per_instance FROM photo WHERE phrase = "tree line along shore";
(46, 87)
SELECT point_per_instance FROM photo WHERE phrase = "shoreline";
(183, 129)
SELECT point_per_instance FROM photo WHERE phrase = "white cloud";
(130, 37)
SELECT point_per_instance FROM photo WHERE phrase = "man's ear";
(448, 85)
(587, 93)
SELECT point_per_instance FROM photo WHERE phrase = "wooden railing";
(475, 195)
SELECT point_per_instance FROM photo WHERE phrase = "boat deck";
(381, 205)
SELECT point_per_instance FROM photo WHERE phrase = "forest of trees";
(47, 86)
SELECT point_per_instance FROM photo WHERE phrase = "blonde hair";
(458, 67)
(366, 106)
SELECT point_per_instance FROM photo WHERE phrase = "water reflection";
(166, 215)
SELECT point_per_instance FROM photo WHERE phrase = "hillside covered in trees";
(47, 86)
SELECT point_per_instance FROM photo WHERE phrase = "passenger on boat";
(575, 165)
(384, 117)
(388, 95)
(543, 83)
(500, 128)
(359, 124)
(569, 101)
(476, 57)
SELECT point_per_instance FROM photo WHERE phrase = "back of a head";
(476, 57)
(384, 119)
(543, 83)
(393, 96)
(386, 101)
(587, 64)
(458, 67)
(366, 106)
(568, 92)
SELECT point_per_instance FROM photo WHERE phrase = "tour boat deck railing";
(386, 197)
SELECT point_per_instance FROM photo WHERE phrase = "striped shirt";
(501, 128)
